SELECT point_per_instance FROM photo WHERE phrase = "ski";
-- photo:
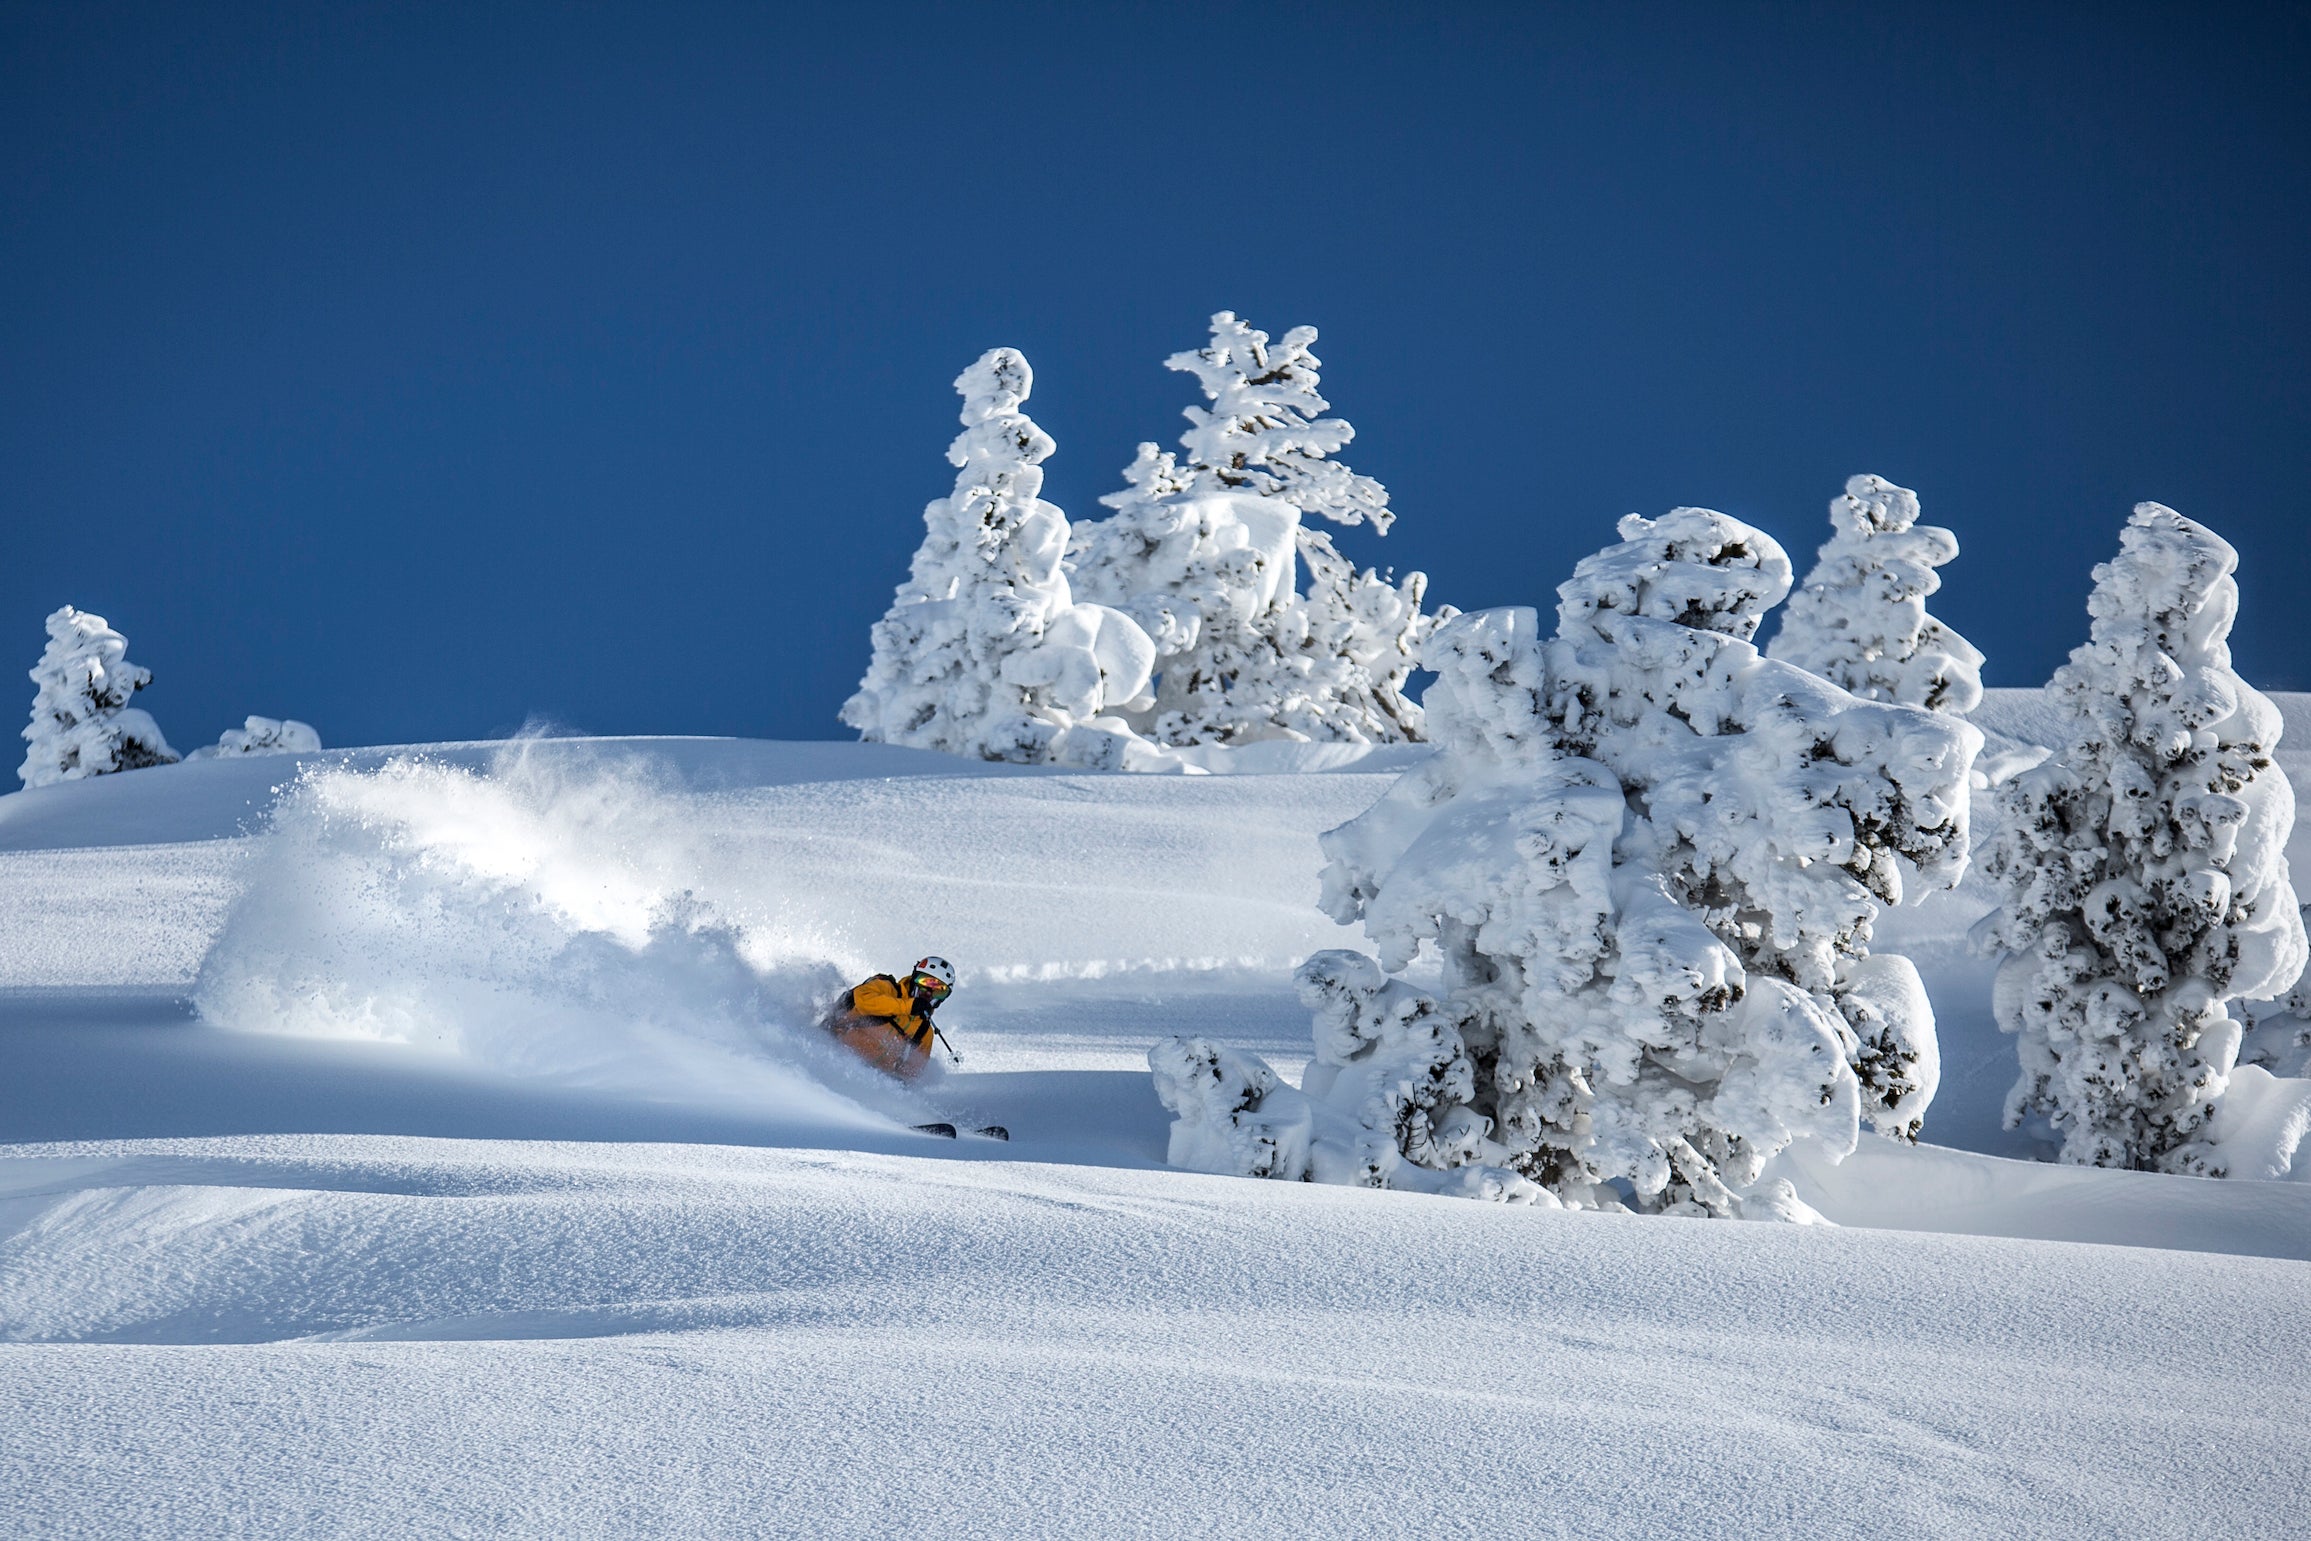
(946, 1131)
(943, 1131)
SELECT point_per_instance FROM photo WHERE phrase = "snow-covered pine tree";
(82, 724)
(2144, 865)
(984, 652)
(1649, 859)
(1859, 619)
(262, 735)
(1205, 555)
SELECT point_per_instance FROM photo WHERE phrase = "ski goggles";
(924, 984)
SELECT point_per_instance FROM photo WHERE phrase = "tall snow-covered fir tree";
(2144, 865)
(983, 651)
(1650, 860)
(82, 724)
(1859, 619)
(1205, 554)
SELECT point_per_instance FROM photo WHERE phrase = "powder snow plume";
(540, 920)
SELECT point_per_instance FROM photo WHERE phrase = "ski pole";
(950, 1048)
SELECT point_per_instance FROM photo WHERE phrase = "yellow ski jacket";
(877, 1021)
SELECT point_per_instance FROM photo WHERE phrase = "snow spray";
(550, 919)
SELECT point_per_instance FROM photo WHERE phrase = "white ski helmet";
(938, 969)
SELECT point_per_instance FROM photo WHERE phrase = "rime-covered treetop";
(1265, 431)
(1693, 567)
(85, 668)
(1859, 619)
(2162, 611)
(1000, 451)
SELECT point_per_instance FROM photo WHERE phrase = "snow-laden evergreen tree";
(1205, 554)
(82, 724)
(262, 735)
(1650, 860)
(984, 651)
(1859, 619)
(2144, 865)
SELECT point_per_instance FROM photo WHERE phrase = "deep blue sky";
(416, 370)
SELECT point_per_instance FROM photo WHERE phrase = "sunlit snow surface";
(504, 1191)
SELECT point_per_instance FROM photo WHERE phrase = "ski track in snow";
(574, 1277)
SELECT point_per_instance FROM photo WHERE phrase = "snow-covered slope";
(549, 1217)
(300, 1337)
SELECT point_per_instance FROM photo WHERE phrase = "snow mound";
(263, 735)
(2265, 1118)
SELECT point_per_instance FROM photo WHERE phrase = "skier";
(887, 1022)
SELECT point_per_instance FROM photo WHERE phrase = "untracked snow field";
(435, 1142)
